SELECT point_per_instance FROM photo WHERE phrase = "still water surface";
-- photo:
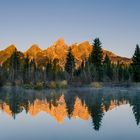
(74, 114)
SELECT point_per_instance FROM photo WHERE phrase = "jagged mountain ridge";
(58, 51)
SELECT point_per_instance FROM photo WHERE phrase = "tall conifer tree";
(136, 64)
(14, 66)
(96, 58)
(70, 63)
(108, 67)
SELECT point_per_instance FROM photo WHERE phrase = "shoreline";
(93, 85)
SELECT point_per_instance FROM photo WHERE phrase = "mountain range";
(58, 51)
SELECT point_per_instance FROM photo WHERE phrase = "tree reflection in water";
(73, 103)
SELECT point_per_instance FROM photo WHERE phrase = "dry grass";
(57, 84)
(96, 84)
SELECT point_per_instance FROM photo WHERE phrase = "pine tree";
(49, 71)
(26, 70)
(14, 66)
(33, 71)
(79, 70)
(108, 68)
(96, 58)
(126, 73)
(1, 77)
(70, 64)
(136, 64)
(120, 72)
(56, 69)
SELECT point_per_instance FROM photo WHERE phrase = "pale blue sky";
(115, 22)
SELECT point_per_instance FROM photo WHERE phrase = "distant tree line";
(20, 69)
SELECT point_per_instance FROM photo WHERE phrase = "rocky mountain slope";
(5, 54)
(58, 52)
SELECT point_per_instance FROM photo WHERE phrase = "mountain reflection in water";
(84, 104)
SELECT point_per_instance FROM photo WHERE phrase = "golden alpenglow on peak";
(32, 51)
(10, 49)
(6, 53)
(35, 48)
(59, 42)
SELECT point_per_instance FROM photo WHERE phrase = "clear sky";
(115, 22)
